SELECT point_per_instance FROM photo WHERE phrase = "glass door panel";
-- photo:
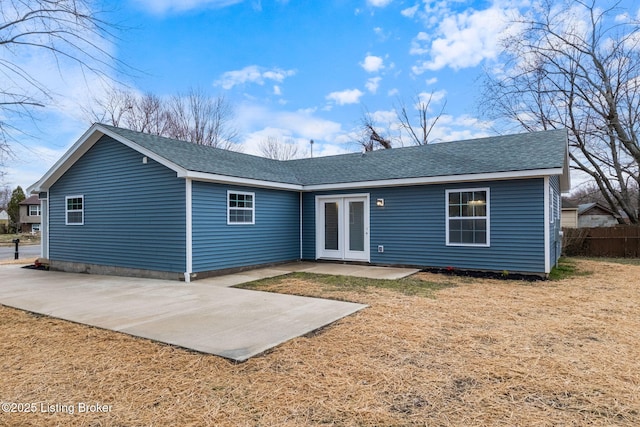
(356, 226)
(331, 226)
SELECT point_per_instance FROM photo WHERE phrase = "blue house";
(129, 203)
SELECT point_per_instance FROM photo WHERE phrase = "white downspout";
(547, 241)
(300, 225)
(189, 231)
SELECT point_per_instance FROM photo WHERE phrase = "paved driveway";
(25, 251)
(232, 323)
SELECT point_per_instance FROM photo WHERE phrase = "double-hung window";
(240, 208)
(34, 210)
(467, 217)
(74, 210)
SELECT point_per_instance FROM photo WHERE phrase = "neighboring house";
(124, 202)
(4, 221)
(30, 214)
(596, 215)
(569, 214)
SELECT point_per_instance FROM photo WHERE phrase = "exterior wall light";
(380, 202)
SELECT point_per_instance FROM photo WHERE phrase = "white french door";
(342, 227)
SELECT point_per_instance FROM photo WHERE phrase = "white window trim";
(66, 210)
(252, 209)
(487, 217)
(38, 210)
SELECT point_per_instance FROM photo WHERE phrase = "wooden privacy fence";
(618, 242)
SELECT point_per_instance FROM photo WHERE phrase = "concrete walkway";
(205, 315)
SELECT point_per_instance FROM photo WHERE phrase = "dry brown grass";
(485, 352)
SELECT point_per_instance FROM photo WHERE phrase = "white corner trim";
(189, 230)
(547, 229)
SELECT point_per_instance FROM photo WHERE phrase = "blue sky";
(295, 70)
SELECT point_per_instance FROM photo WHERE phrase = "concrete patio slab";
(366, 271)
(232, 323)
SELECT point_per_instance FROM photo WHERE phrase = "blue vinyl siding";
(555, 243)
(134, 213)
(274, 237)
(411, 227)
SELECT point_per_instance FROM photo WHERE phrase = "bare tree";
(5, 196)
(420, 130)
(370, 137)
(113, 108)
(194, 117)
(273, 148)
(202, 119)
(578, 67)
(66, 30)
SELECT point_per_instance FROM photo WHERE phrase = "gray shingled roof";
(199, 158)
(509, 153)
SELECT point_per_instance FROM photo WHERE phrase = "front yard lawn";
(458, 351)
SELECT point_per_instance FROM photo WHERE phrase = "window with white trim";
(34, 210)
(467, 217)
(240, 208)
(74, 210)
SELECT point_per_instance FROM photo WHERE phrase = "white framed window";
(240, 208)
(35, 228)
(74, 210)
(34, 210)
(467, 217)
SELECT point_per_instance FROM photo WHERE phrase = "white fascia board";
(249, 182)
(536, 173)
(81, 146)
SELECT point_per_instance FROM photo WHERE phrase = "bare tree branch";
(420, 132)
(578, 67)
(69, 31)
(370, 137)
(273, 148)
(195, 117)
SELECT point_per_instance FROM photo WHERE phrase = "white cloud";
(462, 40)
(298, 127)
(417, 44)
(161, 7)
(349, 96)
(379, 3)
(432, 97)
(372, 64)
(300, 123)
(372, 84)
(385, 117)
(277, 90)
(410, 11)
(431, 81)
(252, 74)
